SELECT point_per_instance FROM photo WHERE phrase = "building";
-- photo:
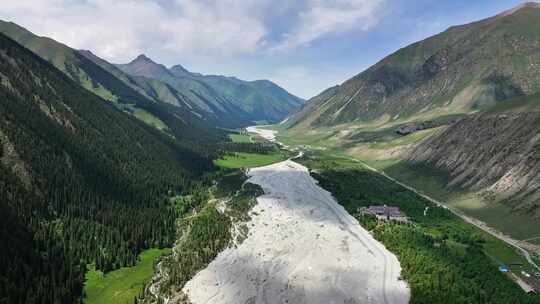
(386, 213)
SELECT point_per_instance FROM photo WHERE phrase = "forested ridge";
(181, 122)
(80, 182)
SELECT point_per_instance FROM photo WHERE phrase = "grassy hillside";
(460, 70)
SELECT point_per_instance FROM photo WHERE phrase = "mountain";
(461, 70)
(496, 152)
(233, 100)
(110, 83)
(81, 181)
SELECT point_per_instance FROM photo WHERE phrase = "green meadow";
(122, 285)
(248, 160)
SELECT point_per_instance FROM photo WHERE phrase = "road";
(479, 224)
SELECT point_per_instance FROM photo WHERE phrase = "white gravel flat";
(267, 134)
(303, 247)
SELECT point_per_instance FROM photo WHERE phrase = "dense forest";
(443, 259)
(80, 182)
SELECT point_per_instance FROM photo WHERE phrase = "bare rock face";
(499, 153)
(412, 127)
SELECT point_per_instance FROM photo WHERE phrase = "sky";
(304, 46)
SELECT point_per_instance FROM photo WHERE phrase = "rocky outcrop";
(498, 153)
(412, 127)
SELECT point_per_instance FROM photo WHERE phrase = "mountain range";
(99, 161)
(230, 98)
(458, 80)
(160, 96)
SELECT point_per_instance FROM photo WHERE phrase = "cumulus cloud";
(326, 17)
(123, 28)
(120, 28)
(248, 38)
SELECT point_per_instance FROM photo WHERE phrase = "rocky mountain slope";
(497, 151)
(230, 98)
(460, 70)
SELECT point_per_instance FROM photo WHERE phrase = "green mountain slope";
(230, 99)
(101, 78)
(460, 70)
(80, 181)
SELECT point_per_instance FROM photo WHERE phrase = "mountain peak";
(525, 5)
(144, 66)
(142, 58)
(179, 70)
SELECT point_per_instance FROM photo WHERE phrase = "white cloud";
(326, 17)
(123, 28)
(212, 36)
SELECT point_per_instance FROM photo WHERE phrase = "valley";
(133, 179)
(302, 247)
(497, 249)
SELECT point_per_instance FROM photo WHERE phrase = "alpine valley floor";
(303, 247)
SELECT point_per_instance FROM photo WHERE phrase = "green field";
(149, 119)
(122, 285)
(249, 160)
(240, 138)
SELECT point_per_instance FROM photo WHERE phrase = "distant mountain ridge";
(228, 97)
(110, 83)
(460, 70)
(164, 97)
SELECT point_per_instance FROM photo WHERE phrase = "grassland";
(122, 285)
(248, 160)
(149, 119)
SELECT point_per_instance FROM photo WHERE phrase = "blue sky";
(305, 46)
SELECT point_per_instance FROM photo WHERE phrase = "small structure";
(385, 213)
(503, 268)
